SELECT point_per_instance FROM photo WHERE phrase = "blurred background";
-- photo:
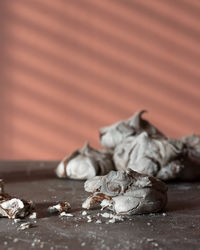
(69, 67)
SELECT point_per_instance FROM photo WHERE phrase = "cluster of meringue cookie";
(142, 156)
(136, 144)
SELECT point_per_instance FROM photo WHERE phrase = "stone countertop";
(177, 228)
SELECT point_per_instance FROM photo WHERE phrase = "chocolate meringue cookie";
(193, 145)
(113, 135)
(13, 207)
(159, 157)
(126, 193)
(85, 163)
(191, 170)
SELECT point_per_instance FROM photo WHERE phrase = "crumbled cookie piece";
(62, 206)
(13, 207)
(25, 226)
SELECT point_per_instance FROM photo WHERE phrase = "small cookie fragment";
(64, 214)
(25, 226)
(33, 216)
(84, 213)
(61, 207)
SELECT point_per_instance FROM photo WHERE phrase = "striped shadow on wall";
(70, 67)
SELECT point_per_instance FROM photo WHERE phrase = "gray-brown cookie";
(192, 160)
(85, 163)
(158, 157)
(126, 192)
(13, 207)
(113, 135)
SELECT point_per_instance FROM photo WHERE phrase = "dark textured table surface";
(179, 228)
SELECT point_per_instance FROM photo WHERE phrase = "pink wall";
(70, 67)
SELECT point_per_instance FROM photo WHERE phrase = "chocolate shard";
(126, 193)
(85, 163)
(113, 135)
(158, 157)
(13, 207)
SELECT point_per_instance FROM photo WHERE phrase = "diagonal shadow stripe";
(74, 21)
(162, 108)
(158, 63)
(137, 75)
